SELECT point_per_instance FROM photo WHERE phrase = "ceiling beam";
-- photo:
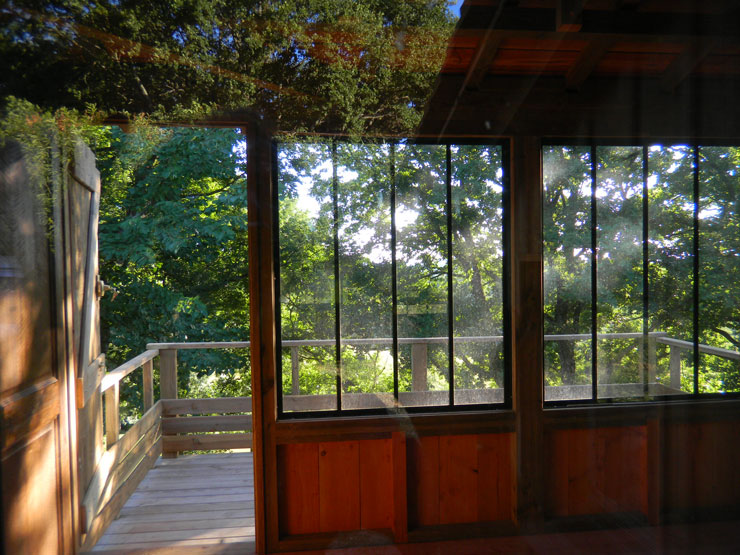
(586, 62)
(685, 63)
(627, 22)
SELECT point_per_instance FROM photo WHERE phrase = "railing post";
(652, 360)
(168, 373)
(112, 416)
(419, 367)
(168, 382)
(295, 371)
(148, 385)
(674, 366)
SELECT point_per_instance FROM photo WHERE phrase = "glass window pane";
(307, 312)
(719, 270)
(619, 215)
(477, 251)
(366, 310)
(671, 269)
(421, 257)
(567, 272)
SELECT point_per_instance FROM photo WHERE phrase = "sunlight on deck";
(204, 502)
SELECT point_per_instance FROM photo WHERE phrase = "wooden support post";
(168, 381)
(112, 415)
(262, 334)
(419, 367)
(674, 365)
(295, 371)
(527, 351)
(148, 384)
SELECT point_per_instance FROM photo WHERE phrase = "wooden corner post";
(262, 333)
(527, 351)
(168, 382)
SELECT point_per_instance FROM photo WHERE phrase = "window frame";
(694, 147)
(398, 409)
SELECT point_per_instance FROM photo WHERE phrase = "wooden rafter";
(685, 63)
(485, 52)
(586, 62)
(568, 15)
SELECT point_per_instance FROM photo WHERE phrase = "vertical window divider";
(394, 271)
(695, 337)
(275, 178)
(337, 296)
(450, 314)
(594, 297)
(645, 275)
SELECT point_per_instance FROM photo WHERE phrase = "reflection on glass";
(567, 272)
(719, 269)
(422, 259)
(619, 220)
(307, 311)
(364, 236)
(670, 252)
(477, 258)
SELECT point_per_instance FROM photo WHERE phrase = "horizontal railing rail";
(419, 353)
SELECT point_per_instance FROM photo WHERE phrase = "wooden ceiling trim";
(716, 65)
(518, 62)
(590, 56)
(684, 64)
(633, 63)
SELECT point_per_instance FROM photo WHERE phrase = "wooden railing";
(167, 427)
(127, 458)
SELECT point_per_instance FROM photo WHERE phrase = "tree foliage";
(323, 64)
(173, 242)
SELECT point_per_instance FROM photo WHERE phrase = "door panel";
(35, 455)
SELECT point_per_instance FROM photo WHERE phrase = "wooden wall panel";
(556, 474)
(700, 466)
(458, 479)
(339, 486)
(596, 471)
(335, 486)
(376, 481)
(298, 486)
(494, 477)
(423, 481)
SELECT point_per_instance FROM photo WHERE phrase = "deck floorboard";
(203, 503)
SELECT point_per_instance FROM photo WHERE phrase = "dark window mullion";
(594, 296)
(337, 296)
(696, 272)
(394, 271)
(450, 314)
(645, 276)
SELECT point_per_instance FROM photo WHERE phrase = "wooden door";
(36, 385)
(81, 206)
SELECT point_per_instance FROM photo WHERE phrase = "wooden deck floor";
(195, 503)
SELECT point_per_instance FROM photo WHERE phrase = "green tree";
(173, 242)
(335, 65)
